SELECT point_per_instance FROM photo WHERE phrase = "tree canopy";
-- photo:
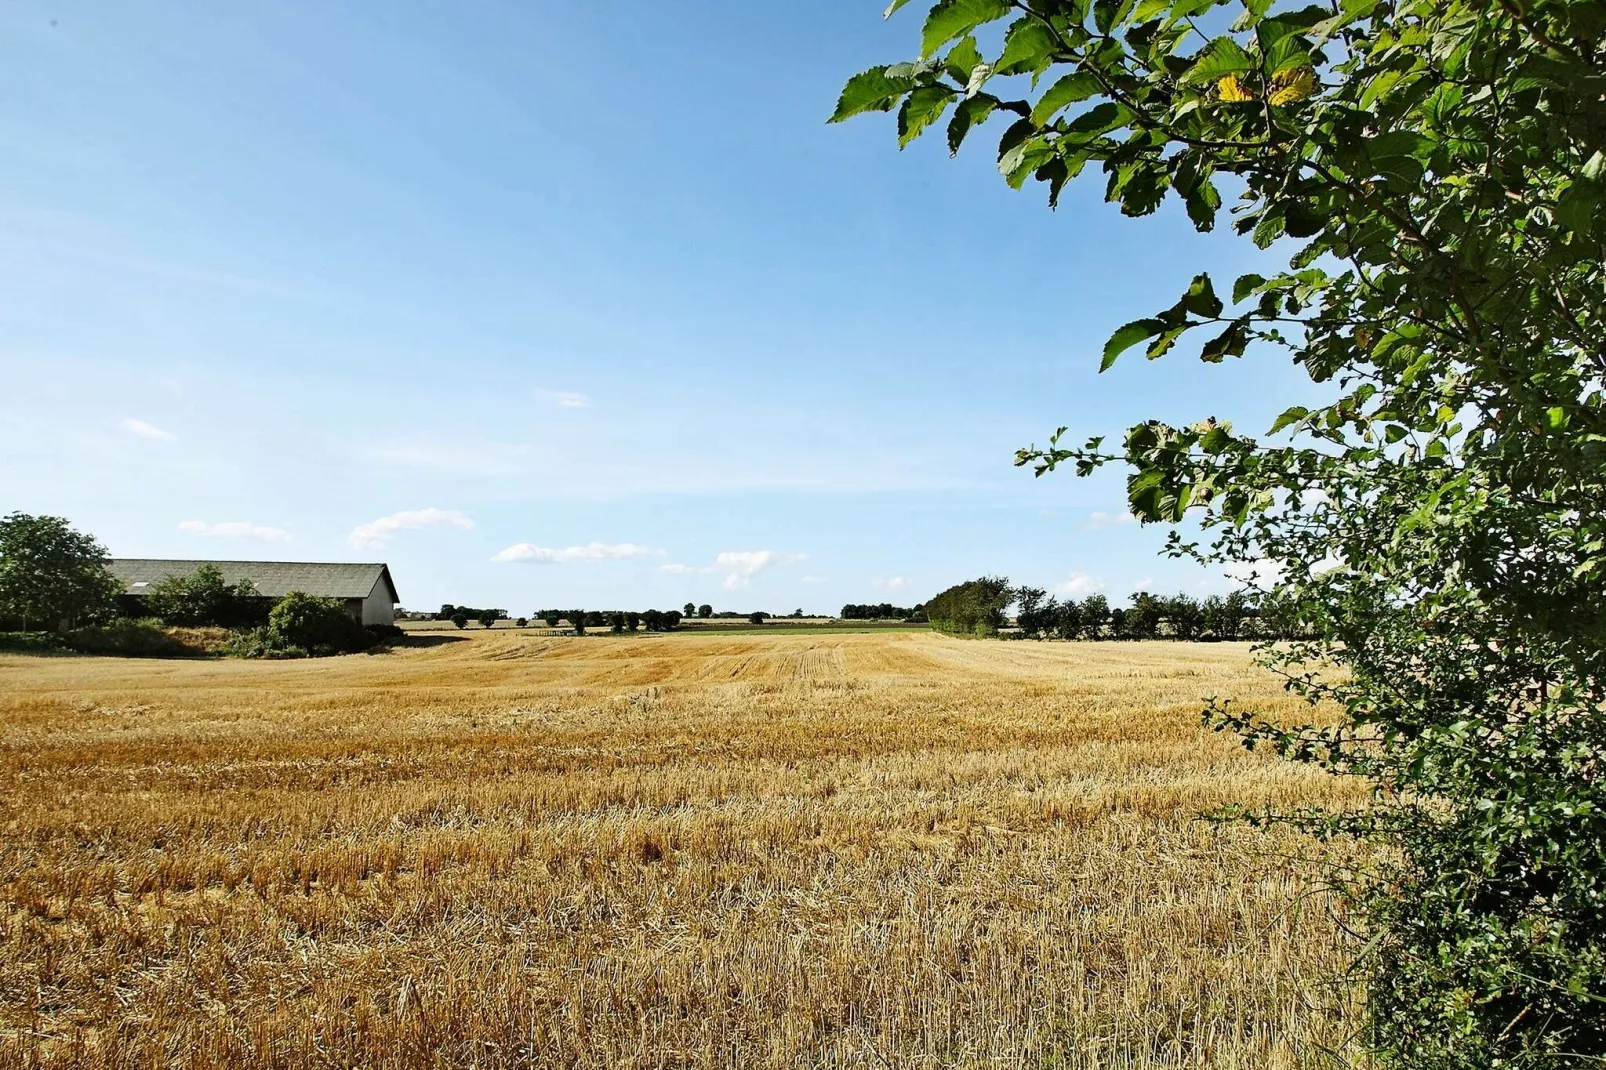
(1433, 174)
(52, 576)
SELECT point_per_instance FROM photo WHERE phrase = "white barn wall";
(377, 608)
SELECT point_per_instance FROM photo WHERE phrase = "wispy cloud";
(739, 566)
(896, 583)
(1080, 585)
(564, 399)
(1099, 519)
(589, 554)
(150, 431)
(235, 529)
(374, 534)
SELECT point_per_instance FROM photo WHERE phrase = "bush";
(320, 626)
(202, 598)
(31, 642)
(756, 618)
(255, 643)
(460, 619)
(129, 639)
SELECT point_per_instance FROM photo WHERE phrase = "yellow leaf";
(1296, 83)
(1229, 88)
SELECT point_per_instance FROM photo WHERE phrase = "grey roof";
(273, 579)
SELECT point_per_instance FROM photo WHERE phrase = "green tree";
(689, 610)
(202, 597)
(755, 618)
(488, 619)
(704, 611)
(52, 576)
(616, 623)
(1436, 529)
(552, 618)
(460, 619)
(320, 626)
(522, 621)
(577, 621)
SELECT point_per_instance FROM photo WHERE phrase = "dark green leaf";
(1071, 89)
(920, 109)
(1028, 47)
(1128, 336)
(950, 19)
(871, 90)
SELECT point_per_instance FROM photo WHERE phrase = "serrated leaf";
(1229, 343)
(920, 109)
(1289, 416)
(1203, 201)
(1245, 285)
(962, 59)
(1218, 59)
(970, 112)
(1028, 47)
(1071, 89)
(873, 90)
(956, 18)
(1127, 336)
(892, 8)
(1201, 297)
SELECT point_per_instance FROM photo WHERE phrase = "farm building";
(367, 590)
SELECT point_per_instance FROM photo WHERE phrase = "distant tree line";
(978, 607)
(882, 611)
(975, 607)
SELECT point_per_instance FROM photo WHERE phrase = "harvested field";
(501, 848)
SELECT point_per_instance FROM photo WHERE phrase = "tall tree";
(52, 576)
(1437, 529)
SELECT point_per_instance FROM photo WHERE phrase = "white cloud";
(564, 399)
(743, 565)
(1099, 519)
(896, 583)
(1144, 584)
(1079, 585)
(373, 535)
(589, 554)
(235, 529)
(145, 430)
(740, 566)
(678, 569)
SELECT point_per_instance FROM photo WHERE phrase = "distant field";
(803, 625)
(502, 848)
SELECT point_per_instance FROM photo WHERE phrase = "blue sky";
(562, 304)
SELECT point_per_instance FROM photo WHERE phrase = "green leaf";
(1290, 416)
(969, 113)
(871, 90)
(1578, 207)
(1245, 286)
(1071, 89)
(1127, 336)
(962, 60)
(956, 18)
(1229, 343)
(1028, 47)
(1201, 297)
(920, 109)
(1557, 418)
(1203, 201)
(1219, 58)
(892, 8)
(1108, 14)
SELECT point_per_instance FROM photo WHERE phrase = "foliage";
(127, 638)
(522, 622)
(881, 611)
(756, 618)
(202, 597)
(975, 607)
(552, 617)
(704, 611)
(31, 642)
(1437, 529)
(460, 619)
(320, 626)
(51, 575)
(690, 610)
(488, 619)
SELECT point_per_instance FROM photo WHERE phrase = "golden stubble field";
(506, 849)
